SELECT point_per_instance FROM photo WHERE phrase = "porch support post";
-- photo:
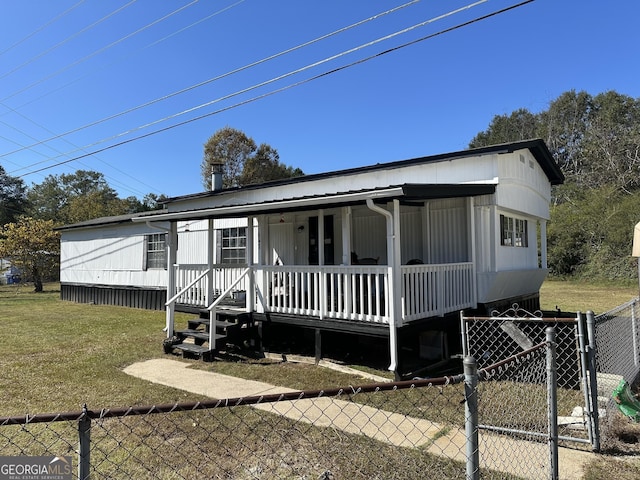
(393, 340)
(251, 284)
(346, 235)
(172, 256)
(472, 251)
(263, 245)
(322, 298)
(543, 244)
(210, 247)
(321, 258)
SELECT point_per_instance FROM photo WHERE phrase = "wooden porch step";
(197, 334)
(192, 349)
(194, 323)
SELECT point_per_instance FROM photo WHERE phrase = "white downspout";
(393, 337)
(172, 247)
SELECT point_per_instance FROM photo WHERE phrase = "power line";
(112, 180)
(59, 44)
(216, 78)
(156, 42)
(100, 50)
(268, 82)
(38, 30)
(301, 82)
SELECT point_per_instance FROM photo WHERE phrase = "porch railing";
(358, 292)
(433, 290)
(196, 295)
(349, 293)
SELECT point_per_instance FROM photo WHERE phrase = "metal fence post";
(471, 417)
(584, 362)
(463, 332)
(84, 452)
(593, 381)
(552, 402)
(634, 330)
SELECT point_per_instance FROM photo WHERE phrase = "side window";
(234, 245)
(513, 232)
(156, 254)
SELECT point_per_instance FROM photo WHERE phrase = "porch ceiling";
(408, 192)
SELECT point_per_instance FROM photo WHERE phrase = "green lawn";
(57, 356)
(570, 296)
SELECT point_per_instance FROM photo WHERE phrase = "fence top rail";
(229, 402)
(521, 319)
(604, 316)
(486, 372)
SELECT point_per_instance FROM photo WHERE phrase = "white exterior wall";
(524, 192)
(115, 254)
(108, 256)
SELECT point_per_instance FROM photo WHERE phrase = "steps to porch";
(231, 326)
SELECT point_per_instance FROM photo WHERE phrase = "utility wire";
(156, 42)
(273, 92)
(100, 50)
(38, 30)
(57, 45)
(213, 79)
(111, 179)
(268, 82)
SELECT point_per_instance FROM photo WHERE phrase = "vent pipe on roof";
(216, 176)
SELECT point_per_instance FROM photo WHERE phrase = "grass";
(57, 356)
(572, 296)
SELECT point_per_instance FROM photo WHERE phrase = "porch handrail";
(219, 299)
(211, 308)
(184, 289)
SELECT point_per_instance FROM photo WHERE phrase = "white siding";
(369, 238)
(411, 234)
(108, 256)
(449, 231)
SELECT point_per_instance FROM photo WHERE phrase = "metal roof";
(537, 147)
(406, 192)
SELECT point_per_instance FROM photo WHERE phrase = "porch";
(360, 295)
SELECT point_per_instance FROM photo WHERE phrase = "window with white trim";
(513, 232)
(156, 256)
(234, 245)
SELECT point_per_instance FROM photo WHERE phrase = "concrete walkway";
(497, 451)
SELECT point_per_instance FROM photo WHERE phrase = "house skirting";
(124, 296)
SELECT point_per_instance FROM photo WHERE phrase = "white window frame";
(233, 245)
(155, 255)
(514, 232)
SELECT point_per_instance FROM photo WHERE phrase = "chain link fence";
(402, 430)
(501, 335)
(617, 340)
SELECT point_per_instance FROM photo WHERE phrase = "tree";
(265, 166)
(596, 142)
(564, 126)
(33, 246)
(13, 200)
(83, 195)
(520, 125)
(230, 147)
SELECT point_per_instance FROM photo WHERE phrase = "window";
(234, 245)
(513, 232)
(156, 251)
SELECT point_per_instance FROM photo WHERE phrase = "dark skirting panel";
(135, 297)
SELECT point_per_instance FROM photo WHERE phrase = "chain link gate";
(491, 339)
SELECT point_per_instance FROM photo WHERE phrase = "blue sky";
(76, 66)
